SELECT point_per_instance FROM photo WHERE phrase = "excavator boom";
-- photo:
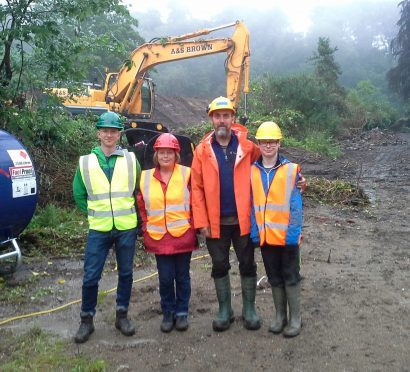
(126, 92)
(130, 91)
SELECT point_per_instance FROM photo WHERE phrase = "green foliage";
(50, 128)
(37, 350)
(368, 108)
(321, 143)
(63, 41)
(54, 231)
(196, 131)
(314, 108)
(55, 140)
(326, 68)
(301, 104)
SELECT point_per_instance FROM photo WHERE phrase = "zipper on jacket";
(110, 180)
(165, 207)
(267, 192)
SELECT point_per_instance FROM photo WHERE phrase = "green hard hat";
(109, 120)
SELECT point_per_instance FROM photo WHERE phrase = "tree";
(326, 68)
(48, 40)
(399, 76)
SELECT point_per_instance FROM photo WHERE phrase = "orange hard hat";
(167, 141)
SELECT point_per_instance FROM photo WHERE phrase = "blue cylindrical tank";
(18, 187)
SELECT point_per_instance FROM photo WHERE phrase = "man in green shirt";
(104, 187)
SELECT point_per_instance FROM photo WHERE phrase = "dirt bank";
(355, 292)
(180, 112)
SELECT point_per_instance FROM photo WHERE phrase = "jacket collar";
(281, 160)
(240, 131)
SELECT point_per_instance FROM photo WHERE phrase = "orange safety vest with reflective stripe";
(169, 212)
(110, 204)
(272, 211)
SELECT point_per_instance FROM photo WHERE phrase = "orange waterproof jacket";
(206, 187)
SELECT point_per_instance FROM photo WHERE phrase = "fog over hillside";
(360, 30)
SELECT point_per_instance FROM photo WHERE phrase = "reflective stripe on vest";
(272, 212)
(172, 212)
(110, 204)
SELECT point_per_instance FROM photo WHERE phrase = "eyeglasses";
(271, 143)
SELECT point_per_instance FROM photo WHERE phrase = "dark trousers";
(219, 252)
(174, 282)
(96, 251)
(282, 264)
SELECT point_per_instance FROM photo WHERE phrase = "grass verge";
(37, 350)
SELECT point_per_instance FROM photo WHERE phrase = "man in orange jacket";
(220, 177)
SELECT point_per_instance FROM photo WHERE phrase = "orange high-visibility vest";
(169, 212)
(272, 211)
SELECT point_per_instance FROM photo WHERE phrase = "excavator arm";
(125, 94)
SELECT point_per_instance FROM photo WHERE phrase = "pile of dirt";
(180, 112)
(370, 139)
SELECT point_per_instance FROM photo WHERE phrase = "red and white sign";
(21, 172)
(19, 157)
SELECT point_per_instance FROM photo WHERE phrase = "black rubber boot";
(85, 330)
(123, 324)
(181, 323)
(252, 320)
(279, 299)
(225, 314)
(295, 321)
(168, 321)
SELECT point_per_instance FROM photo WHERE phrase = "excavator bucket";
(141, 142)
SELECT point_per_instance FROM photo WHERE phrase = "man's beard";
(222, 132)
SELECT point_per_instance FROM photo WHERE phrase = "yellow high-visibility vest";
(169, 212)
(272, 211)
(110, 205)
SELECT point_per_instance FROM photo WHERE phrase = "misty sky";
(298, 11)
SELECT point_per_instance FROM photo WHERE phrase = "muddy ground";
(355, 291)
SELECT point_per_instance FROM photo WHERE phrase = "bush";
(300, 103)
(368, 108)
(196, 132)
(52, 129)
(55, 231)
(55, 140)
(321, 143)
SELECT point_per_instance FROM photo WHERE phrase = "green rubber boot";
(279, 299)
(252, 320)
(295, 321)
(225, 314)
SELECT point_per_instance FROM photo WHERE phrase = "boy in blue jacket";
(276, 226)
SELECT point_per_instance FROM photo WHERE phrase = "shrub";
(301, 103)
(54, 231)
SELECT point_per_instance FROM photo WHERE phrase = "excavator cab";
(141, 142)
(141, 131)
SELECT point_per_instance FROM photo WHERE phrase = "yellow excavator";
(130, 92)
